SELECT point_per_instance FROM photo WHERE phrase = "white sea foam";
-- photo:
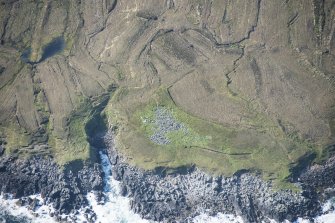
(116, 208)
(219, 218)
(328, 214)
(41, 214)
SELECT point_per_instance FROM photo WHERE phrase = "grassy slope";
(213, 147)
(73, 146)
(76, 146)
(261, 145)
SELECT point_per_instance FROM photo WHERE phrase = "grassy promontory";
(157, 133)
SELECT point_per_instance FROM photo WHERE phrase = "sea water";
(116, 208)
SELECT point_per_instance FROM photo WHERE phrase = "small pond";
(55, 46)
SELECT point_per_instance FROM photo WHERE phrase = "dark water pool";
(51, 49)
(54, 47)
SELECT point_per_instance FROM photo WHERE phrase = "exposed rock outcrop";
(176, 195)
(64, 188)
(165, 195)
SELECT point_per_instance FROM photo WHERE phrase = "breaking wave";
(115, 208)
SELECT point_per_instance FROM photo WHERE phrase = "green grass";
(75, 146)
(16, 138)
(83, 122)
(40, 102)
(213, 147)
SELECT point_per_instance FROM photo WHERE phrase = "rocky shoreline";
(164, 195)
(188, 192)
(64, 188)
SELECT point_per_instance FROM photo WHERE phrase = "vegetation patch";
(76, 146)
(158, 133)
(16, 138)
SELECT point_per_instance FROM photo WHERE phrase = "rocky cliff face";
(177, 195)
(165, 194)
(65, 189)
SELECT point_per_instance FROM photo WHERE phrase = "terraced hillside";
(225, 85)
